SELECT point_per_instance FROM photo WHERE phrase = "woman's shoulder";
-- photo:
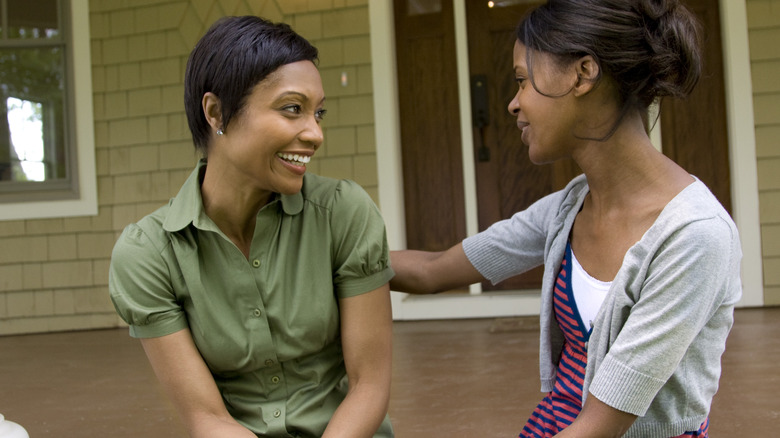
(695, 220)
(563, 202)
(332, 192)
(696, 203)
(146, 232)
(575, 190)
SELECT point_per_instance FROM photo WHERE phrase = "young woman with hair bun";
(642, 263)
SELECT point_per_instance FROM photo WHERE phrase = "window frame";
(79, 198)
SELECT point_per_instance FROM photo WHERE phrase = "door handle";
(480, 113)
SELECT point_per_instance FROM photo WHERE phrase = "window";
(46, 129)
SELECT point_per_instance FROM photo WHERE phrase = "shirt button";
(277, 413)
(256, 263)
(275, 379)
(257, 312)
(269, 363)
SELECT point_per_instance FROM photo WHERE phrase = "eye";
(320, 114)
(295, 109)
(520, 80)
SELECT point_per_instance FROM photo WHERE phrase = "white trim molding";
(742, 147)
(86, 203)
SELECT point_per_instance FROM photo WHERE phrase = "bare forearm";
(598, 420)
(366, 334)
(410, 271)
(361, 412)
(190, 387)
(422, 272)
(213, 427)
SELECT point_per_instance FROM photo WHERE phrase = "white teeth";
(294, 158)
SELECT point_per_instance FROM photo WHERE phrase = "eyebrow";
(297, 93)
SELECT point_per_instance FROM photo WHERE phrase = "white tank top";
(589, 293)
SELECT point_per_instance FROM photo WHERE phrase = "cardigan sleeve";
(689, 285)
(516, 245)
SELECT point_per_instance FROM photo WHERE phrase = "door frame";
(742, 162)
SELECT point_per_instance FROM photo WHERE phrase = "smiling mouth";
(294, 159)
(522, 125)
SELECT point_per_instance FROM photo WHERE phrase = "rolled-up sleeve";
(361, 255)
(140, 286)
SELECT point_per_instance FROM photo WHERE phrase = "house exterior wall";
(763, 35)
(54, 272)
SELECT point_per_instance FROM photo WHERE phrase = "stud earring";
(220, 132)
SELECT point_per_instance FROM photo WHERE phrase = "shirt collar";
(187, 207)
(293, 204)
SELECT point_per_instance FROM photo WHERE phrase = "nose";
(514, 105)
(312, 132)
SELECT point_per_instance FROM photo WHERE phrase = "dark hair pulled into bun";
(649, 48)
(673, 36)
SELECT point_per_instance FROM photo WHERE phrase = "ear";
(212, 110)
(587, 75)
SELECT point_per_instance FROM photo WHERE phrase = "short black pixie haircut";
(229, 60)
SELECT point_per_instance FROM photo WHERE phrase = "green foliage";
(35, 72)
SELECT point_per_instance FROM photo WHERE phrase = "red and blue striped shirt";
(561, 406)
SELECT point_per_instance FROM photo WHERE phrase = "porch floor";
(466, 378)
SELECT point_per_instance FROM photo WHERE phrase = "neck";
(626, 170)
(232, 205)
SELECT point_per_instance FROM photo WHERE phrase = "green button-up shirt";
(267, 326)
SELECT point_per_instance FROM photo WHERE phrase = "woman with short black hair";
(260, 291)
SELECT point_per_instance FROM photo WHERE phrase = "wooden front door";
(693, 131)
(430, 126)
(507, 180)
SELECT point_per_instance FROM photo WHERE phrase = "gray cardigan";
(658, 338)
